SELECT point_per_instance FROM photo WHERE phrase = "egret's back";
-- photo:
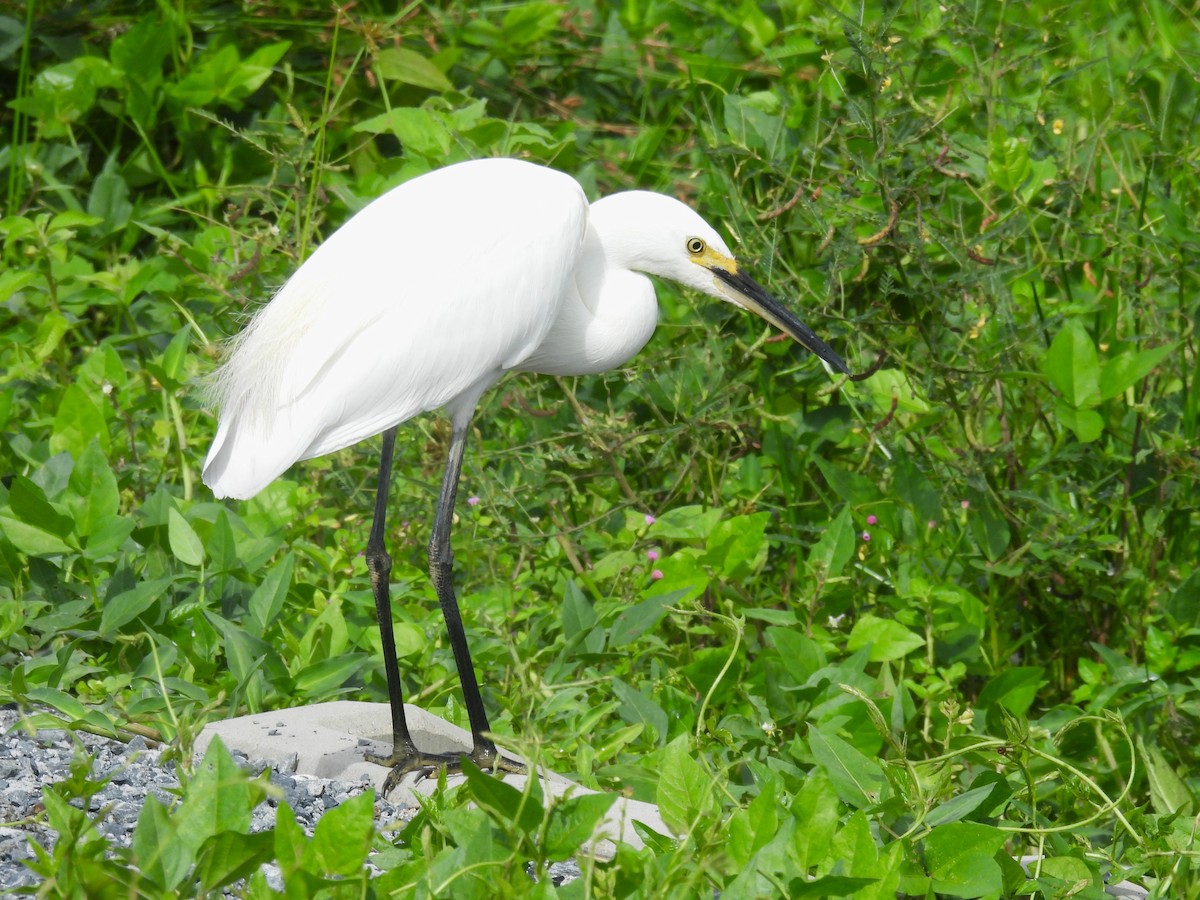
(428, 294)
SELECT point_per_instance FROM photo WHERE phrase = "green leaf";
(1169, 794)
(834, 547)
(504, 803)
(685, 791)
(737, 547)
(185, 543)
(231, 856)
(410, 67)
(1014, 689)
(343, 836)
(218, 798)
(752, 827)
(58, 700)
(1126, 369)
(128, 605)
(887, 638)
(685, 522)
(1008, 164)
(1086, 423)
(93, 489)
(1073, 367)
(157, 850)
(634, 621)
(960, 857)
(77, 422)
(573, 821)
(960, 806)
(327, 675)
(418, 130)
(267, 600)
(856, 778)
(28, 501)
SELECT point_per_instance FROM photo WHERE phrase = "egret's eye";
(695, 246)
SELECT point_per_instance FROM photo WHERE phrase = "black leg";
(405, 757)
(379, 564)
(441, 567)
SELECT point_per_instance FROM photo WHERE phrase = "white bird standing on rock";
(423, 301)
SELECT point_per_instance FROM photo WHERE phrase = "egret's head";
(658, 235)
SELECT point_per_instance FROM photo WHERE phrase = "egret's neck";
(608, 318)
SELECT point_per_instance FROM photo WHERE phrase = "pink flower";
(652, 555)
(472, 501)
(932, 523)
(656, 574)
(871, 520)
(966, 504)
(649, 519)
(866, 536)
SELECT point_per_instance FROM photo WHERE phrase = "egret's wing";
(429, 294)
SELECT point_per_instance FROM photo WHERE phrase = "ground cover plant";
(858, 638)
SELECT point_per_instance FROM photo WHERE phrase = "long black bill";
(754, 297)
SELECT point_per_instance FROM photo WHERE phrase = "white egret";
(424, 300)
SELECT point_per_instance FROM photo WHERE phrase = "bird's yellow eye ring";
(695, 246)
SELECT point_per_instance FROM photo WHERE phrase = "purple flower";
(649, 519)
(871, 520)
(652, 555)
(472, 501)
(866, 536)
(656, 574)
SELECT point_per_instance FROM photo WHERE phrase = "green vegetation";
(991, 207)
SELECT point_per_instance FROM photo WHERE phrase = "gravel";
(28, 762)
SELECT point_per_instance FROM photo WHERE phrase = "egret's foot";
(405, 761)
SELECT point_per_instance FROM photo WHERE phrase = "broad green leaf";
(887, 638)
(751, 827)
(219, 798)
(1008, 164)
(573, 820)
(507, 805)
(737, 547)
(28, 501)
(418, 130)
(159, 853)
(231, 856)
(77, 422)
(685, 522)
(128, 605)
(267, 600)
(816, 810)
(634, 621)
(185, 543)
(959, 807)
(1086, 423)
(410, 67)
(343, 836)
(1014, 689)
(834, 547)
(93, 490)
(638, 709)
(58, 700)
(1126, 369)
(327, 675)
(32, 540)
(1169, 793)
(960, 857)
(685, 791)
(1073, 366)
(857, 778)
